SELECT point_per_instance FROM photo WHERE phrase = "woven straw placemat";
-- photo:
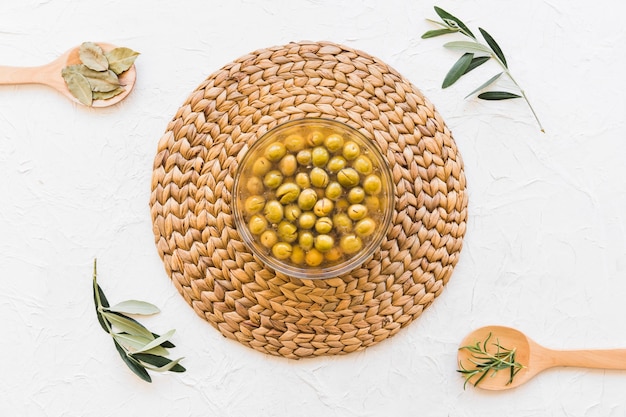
(191, 200)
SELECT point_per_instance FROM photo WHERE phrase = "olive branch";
(475, 53)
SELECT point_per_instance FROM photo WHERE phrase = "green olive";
(307, 199)
(273, 179)
(319, 156)
(365, 227)
(261, 166)
(275, 151)
(334, 190)
(302, 179)
(324, 243)
(292, 212)
(288, 165)
(319, 177)
(297, 255)
(356, 195)
(342, 205)
(336, 164)
(306, 240)
(268, 238)
(350, 244)
(324, 225)
(282, 250)
(304, 157)
(257, 224)
(315, 138)
(372, 184)
(255, 186)
(314, 257)
(348, 177)
(288, 192)
(273, 211)
(342, 223)
(333, 142)
(363, 165)
(254, 204)
(287, 231)
(333, 255)
(351, 150)
(294, 143)
(357, 211)
(307, 220)
(323, 207)
(373, 203)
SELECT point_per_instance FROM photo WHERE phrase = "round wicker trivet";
(191, 200)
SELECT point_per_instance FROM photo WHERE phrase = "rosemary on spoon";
(140, 349)
(475, 53)
(484, 362)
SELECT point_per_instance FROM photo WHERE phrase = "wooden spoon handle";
(21, 75)
(602, 359)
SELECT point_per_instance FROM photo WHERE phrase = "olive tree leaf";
(498, 95)
(79, 87)
(156, 342)
(93, 57)
(486, 84)
(127, 325)
(438, 32)
(121, 59)
(448, 18)
(494, 46)
(158, 363)
(476, 62)
(133, 364)
(466, 46)
(137, 343)
(458, 69)
(135, 307)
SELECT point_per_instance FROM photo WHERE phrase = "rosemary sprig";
(486, 363)
(475, 53)
(140, 349)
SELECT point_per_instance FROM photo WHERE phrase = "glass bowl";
(313, 198)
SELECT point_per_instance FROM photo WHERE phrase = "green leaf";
(133, 364)
(438, 32)
(476, 62)
(157, 342)
(485, 84)
(468, 46)
(126, 324)
(158, 362)
(135, 307)
(79, 87)
(93, 57)
(494, 46)
(121, 59)
(458, 69)
(135, 343)
(448, 18)
(498, 95)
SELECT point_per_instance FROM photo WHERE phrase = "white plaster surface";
(544, 251)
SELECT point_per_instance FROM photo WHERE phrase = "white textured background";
(544, 250)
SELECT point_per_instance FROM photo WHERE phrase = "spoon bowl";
(50, 75)
(534, 357)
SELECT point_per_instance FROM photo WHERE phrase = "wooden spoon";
(50, 75)
(533, 356)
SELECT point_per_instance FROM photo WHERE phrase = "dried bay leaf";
(93, 56)
(97, 95)
(121, 59)
(100, 81)
(79, 87)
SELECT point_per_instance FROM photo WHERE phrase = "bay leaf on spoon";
(97, 95)
(79, 87)
(93, 56)
(121, 59)
(100, 81)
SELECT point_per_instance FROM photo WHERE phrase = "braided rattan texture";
(191, 199)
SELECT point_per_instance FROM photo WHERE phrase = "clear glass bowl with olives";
(313, 198)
